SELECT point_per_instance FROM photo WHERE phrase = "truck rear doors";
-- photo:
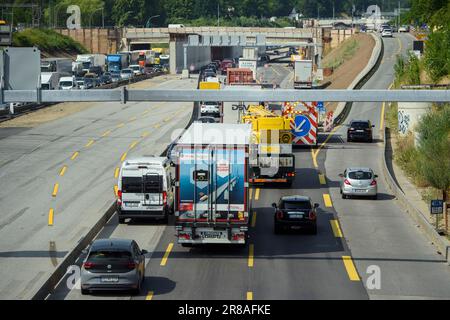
(212, 184)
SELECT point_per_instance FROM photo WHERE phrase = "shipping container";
(239, 76)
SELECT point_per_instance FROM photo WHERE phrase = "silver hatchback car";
(113, 264)
(358, 182)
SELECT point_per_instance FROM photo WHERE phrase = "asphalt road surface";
(58, 179)
(352, 234)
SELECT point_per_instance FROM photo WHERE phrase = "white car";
(386, 33)
(403, 29)
(137, 69)
(210, 108)
(126, 74)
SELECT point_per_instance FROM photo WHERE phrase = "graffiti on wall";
(403, 121)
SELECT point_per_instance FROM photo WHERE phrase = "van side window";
(132, 184)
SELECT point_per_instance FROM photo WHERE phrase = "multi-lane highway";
(58, 179)
(352, 234)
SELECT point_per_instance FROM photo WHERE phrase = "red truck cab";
(225, 64)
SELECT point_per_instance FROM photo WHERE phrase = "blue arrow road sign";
(320, 106)
(302, 126)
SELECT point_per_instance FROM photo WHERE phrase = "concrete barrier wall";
(95, 40)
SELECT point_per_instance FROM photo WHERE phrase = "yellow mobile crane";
(271, 157)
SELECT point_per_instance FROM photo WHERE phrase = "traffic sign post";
(302, 126)
(437, 208)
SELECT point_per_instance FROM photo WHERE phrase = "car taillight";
(164, 197)
(347, 182)
(312, 215)
(291, 174)
(373, 183)
(279, 214)
(131, 265)
(88, 265)
(119, 196)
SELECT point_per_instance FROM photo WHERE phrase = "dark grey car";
(113, 264)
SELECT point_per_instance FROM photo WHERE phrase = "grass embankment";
(343, 52)
(47, 41)
(423, 155)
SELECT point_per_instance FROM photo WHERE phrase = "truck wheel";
(84, 292)
(186, 245)
(121, 220)
(313, 230)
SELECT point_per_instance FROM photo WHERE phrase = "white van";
(145, 189)
(67, 83)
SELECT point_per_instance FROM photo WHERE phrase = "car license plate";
(211, 235)
(296, 216)
(359, 130)
(360, 190)
(131, 204)
(110, 279)
(296, 227)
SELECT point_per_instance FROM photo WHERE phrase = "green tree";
(434, 149)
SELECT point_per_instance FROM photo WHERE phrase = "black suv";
(360, 130)
(295, 213)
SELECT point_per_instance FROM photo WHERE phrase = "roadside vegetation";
(425, 154)
(248, 13)
(47, 40)
(343, 52)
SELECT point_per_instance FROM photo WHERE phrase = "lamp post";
(55, 18)
(148, 23)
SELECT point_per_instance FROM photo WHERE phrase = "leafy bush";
(437, 55)
(434, 148)
(47, 40)
(408, 158)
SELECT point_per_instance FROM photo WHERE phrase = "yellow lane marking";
(383, 105)
(133, 119)
(156, 126)
(120, 125)
(351, 269)
(124, 155)
(55, 189)
(145, 134)
(251, 251)
(314, 158)
(166, 255)
(336, 228)
(89, 143)
(167, 119)
(249, 295)
(50, 217)
(325, 142)
(327, 200)
(63, 171)
(75, 154)
(133, 144)
(257, 194)
(254, 219)
(145, 112)
(116, 188)
(149, 295)
(116, 172)
(322, 178)
(106, 133)
(251, 193)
